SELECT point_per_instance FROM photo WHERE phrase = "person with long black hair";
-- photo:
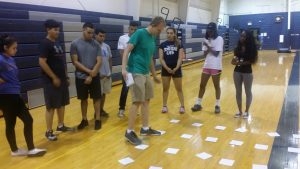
(11, 103)
(245, 54)
(213, 50)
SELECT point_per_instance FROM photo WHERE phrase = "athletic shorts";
(84, 90)
(211, 71)
(56, 97)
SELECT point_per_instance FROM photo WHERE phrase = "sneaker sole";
(150, 134)
(133, 142)
(39, 154)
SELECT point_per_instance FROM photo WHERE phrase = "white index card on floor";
(241, 130)
(162, 132)
(211, 139)
(294, 150)
(273, 134)
(141, 146)
(236, 142)
(186, 136)
(174, 121)
(296, 136)
(197, 124)
(226, 162)
(220, 127)
(261, 147)
(204, 155)
(257, 166)
(126, 161)
(172, 150)
(154, 167)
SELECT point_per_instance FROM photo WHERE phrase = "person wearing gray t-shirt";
(86, 57)
(105, 69)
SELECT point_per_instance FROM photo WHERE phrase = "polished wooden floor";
(102, 149)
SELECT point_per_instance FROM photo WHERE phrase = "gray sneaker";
(132, 138)
(196, 107)
(217, 109)
(150, 131)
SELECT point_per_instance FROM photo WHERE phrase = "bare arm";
(153, 72)
(80, 66)
(211, 50)
(179, 61)
(45, 67)
(162, 60)
(96, 68)
(125, 59)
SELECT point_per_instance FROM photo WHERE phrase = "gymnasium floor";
(274, 110)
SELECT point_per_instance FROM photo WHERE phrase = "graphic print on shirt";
(170, 50)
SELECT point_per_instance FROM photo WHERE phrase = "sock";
(145, 128)
(198, 101)
(218, 102)
(128, 130)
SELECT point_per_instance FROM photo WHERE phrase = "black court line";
(288, 125)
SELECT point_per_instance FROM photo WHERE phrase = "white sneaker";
(36, 152)
(19, 152)
(164, 109)
(245, 115)
(121, 113)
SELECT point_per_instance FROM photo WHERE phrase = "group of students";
(92, 60)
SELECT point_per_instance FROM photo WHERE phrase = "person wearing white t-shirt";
(213, 50)
(122, 44)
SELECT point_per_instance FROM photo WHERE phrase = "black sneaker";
(217, 109)
(132, 138)
(64, 129)
(150, 131)
(104, 114)
(50, 136)
(196, 107)
(83, 124)
(97, 124)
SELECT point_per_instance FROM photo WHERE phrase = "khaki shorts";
(142, 89)
(105, 85)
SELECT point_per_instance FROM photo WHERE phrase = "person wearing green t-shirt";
(140, 49)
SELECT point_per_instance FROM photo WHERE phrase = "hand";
(1, 81)
(124, 74)
(174, 70)
(169, 70)
(156, 79)
(93, 73)
(56, 82)
(88, 80)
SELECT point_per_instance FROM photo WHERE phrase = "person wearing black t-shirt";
(170, 56)
(245, 54)
(55, 81)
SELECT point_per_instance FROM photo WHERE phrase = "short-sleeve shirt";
(243, 68)
(106, 56)
(171, 52)
(87, 52)
(123, 40)
(56, 59)
(211, 61)
(9, 73)
(141, 56)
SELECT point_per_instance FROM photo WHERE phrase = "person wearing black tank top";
(245, 55)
